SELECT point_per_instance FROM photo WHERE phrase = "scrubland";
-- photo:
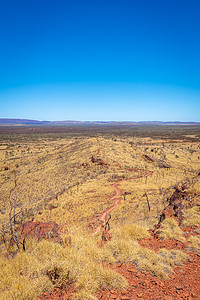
(67, 179)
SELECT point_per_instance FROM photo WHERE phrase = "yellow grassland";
(52, 173)
(56, 180)
(44, 262)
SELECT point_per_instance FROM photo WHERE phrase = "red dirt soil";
(184, 283)
(40, 230)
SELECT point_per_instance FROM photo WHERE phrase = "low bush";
(192, 216)
(171, 230)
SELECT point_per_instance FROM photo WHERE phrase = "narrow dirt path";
(116, 200)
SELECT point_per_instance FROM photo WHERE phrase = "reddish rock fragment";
(40, 230)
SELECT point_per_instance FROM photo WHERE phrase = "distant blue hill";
(71, 122)
(22, 122)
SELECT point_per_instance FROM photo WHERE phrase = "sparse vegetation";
(171, 230)
(65, 176)
(45, 263)
(192, 216)
(125, 248)
(194, 242)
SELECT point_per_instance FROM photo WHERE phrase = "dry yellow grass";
(32, 272)
(57, 181)
(60, 174)
(43, 263)
(130, 232)
(194, 242)
(171, 230)
(192, 216)
(125, 248)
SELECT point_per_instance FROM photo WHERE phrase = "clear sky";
(100, 60)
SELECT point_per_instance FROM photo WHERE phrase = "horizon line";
(96, 121)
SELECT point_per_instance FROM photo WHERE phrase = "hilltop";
(100, 213)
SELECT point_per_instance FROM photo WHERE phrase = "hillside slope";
(107, 206)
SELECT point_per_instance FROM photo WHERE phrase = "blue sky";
(100, 60)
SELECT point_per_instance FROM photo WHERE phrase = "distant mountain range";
(71, 122)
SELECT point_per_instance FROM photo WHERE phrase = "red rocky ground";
(40, 230)
(184, 283)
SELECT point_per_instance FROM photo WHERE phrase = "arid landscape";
(100, 212)
(99, 150)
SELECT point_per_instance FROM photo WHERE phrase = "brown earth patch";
(40, 230)
(63, 291)
(183, 284)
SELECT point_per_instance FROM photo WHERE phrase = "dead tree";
(149, 207)
(106, 236)
(9, 230)
(107, 225)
